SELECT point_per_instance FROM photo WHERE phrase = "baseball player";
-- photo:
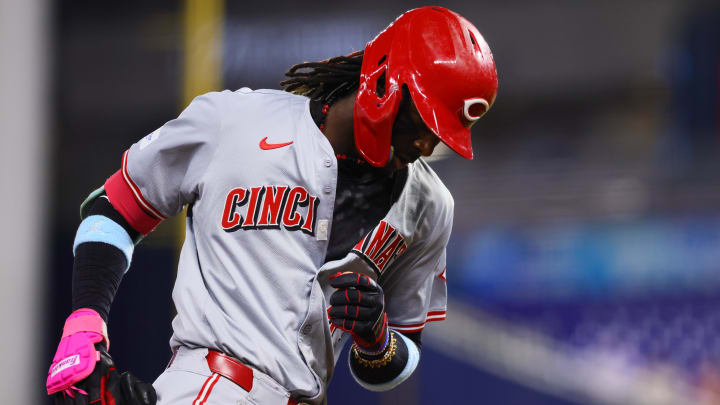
(311, 220)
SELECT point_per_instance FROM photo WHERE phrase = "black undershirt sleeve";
(99, 267)
(97, 271)
(416, 338)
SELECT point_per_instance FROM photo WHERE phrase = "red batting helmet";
(448, 69)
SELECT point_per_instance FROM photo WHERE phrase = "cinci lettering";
(270, 207)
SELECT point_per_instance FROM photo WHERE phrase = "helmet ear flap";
(376, 106)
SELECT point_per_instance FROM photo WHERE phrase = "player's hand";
(105, 386)
(358, 307)
(82, 371)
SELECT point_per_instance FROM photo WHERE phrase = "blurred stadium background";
(584, 266)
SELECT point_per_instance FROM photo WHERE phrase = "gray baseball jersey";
(259, 179)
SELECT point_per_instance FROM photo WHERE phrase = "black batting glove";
(358, 307)
(105, 386)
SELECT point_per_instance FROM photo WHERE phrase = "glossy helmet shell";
(448, 69)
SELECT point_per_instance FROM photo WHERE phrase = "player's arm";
(380, 358)
(158, 176)
(82, 370)
(103, 251)
(419, 295)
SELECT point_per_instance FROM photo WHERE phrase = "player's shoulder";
(431, 187)
(207, 105)
(247, 94)
(246, 104)
(425, 208)
(262, 96)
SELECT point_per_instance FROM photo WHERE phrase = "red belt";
(233, 370)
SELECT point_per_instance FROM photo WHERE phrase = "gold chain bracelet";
(381, 362)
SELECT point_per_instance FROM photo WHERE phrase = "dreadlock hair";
(327, 80)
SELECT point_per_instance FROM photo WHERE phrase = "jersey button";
(328, 162)
(327, 189)
(307, 329)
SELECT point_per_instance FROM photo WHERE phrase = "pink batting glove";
(76, 356)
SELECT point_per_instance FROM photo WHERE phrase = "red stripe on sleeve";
(136, 190)
(432, 316)
(123, 200)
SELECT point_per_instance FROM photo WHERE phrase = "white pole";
(24, 93)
